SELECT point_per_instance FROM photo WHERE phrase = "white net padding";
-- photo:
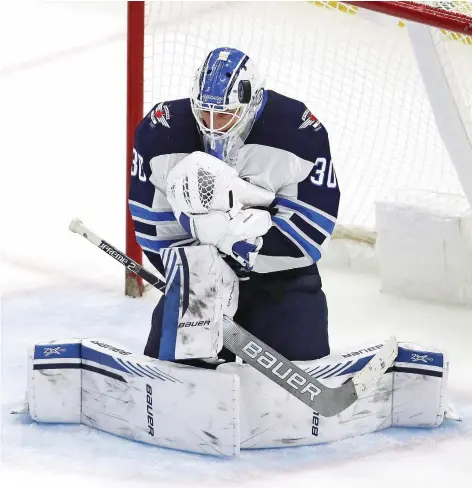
(356, 70)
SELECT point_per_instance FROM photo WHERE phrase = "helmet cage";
(238, 111)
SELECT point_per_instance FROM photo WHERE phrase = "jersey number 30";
(137, 166)
(321, 177)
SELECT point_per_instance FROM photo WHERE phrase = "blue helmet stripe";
(211, 84)
(214, 84)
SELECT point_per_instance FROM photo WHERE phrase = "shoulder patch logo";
(161, 115)
(309, 119)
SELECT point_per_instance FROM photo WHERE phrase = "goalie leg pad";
(105, 386)
(410, 394)
(200, 289)
(54, 382)
(419, 388)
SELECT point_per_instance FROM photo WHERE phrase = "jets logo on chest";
(161, 115)
(309, 120)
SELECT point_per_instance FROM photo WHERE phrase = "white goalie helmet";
(226, 94)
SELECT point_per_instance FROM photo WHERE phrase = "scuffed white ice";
(69, 450)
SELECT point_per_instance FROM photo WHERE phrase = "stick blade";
(377, 366)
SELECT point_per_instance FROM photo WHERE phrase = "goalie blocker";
(105, 386)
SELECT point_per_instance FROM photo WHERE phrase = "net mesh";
(354, 69)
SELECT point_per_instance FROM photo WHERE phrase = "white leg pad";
(135, 397)
(411, 393)
(103, 385)
(55, 382)
(419, 400)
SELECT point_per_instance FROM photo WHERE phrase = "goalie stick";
(326, 401)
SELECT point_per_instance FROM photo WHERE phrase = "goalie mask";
(226, 95)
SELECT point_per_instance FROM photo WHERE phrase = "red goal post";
(170, 36)
(134, 105)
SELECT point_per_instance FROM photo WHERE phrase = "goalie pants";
(289, 314)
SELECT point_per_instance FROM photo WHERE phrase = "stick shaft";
(157, 281)
(326, 401)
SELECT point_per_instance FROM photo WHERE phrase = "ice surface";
(62, 90)
(69, 452)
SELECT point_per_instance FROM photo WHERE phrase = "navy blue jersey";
(287, 151)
